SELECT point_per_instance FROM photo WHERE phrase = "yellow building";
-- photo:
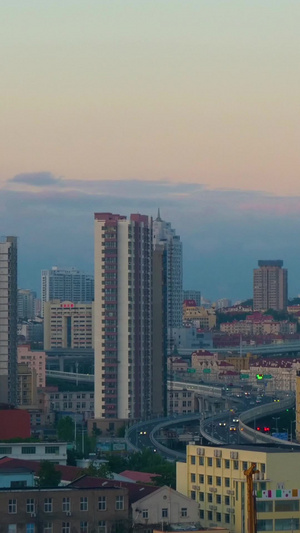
(27, 386)
(214, 477)
(202, 318)
(240, 362)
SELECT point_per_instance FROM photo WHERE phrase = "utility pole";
(251, 511)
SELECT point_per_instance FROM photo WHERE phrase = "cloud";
(38, 179)
(224, 232)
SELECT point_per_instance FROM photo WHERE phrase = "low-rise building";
(182, 401)
(274, 373)
(213, 476)
(38, 451)
(199, 317)
(80, 402)
(259, 324)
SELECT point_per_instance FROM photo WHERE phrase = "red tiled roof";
(68, 473)
(136, 491)
(141, 477)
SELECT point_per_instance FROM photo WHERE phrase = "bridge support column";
(61, 364)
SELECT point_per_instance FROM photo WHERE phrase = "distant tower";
(8, 320)
(270, 285)
(164, 235)
(123, 316)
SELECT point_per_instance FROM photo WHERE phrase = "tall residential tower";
(270, 286)
(164, 235)
(8, 320)
(123, 316)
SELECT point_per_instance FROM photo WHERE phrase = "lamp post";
(276, 418)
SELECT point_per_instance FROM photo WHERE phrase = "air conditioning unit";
(195, 487)
(68, 513)
(212, 489)
(231, 492)
(212, 507)
(218, 453)
(200, 451)
(234, 455)
(33, 515)
(229, 510)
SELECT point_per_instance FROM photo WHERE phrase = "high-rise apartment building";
(26, 304)
(68, 325)
(270, 286)
(123, 316)
(164, 235)
(8, 320)
(66, 284)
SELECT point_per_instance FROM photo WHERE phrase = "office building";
(270, 286)
(214, 477)
(68, 325)
(66, 284)
(26, 304)
(123, 316)
(164, 235)
(193, 295)
(8, 320)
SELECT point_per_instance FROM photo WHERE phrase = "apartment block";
(214, 477)
(68, 325)
(35, 360)
(270, 286)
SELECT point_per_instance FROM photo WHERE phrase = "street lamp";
(276, 418)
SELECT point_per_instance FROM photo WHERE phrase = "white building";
(66, 284)
(164, 234)
(123, 316)
(55, 452)
(8, 320)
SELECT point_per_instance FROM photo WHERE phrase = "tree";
(100, 471)
(48, 476)
(66, 429)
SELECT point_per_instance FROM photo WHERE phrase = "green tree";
(48, 476)
(66, 429)
(100, 471)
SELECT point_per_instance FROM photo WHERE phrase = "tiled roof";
(141, 477)
(68, 473)
(136, 491)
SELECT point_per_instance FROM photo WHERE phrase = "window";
(201, 514)
(227, 463)
(209, 480)
(52, 449)
(145, 514)
(48, 505)
(102, 526)
(18, 484)
(286, 524)
(193, 495)
(201, 478)
(286, 505)
(227, 500)
(65, 527)
(218, 517)
(201, 461)
(209, 515)
(12, 528)
(201, 496)
(263, 468)
(227, 481)
(66, 505)
(266, 525)
(119, 503)
(5, 450)
(218, 463)
(209, 461)
(227, 518)
(265, 506)
(219, 481)
(193, 478)
(84, 527)
(12, 506)
(48, 528)
(183, 511)
(30, 506)
(27, 450)
(30, 528)
(209, 497)
(164, 512)
(84, 504)
(218, 498)
(102, 503)
(235, 465)
(245, 465)
(193, 459)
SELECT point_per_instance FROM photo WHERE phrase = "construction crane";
(251, 509)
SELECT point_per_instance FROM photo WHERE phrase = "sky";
(191, 106)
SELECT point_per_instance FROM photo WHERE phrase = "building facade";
(214, 477)
(164, 235)
(66, 284)
(193, 295)
(35, 360)
(8, 320)
(26, 304)
(68, 325)
(270, 286)
(123, 316)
